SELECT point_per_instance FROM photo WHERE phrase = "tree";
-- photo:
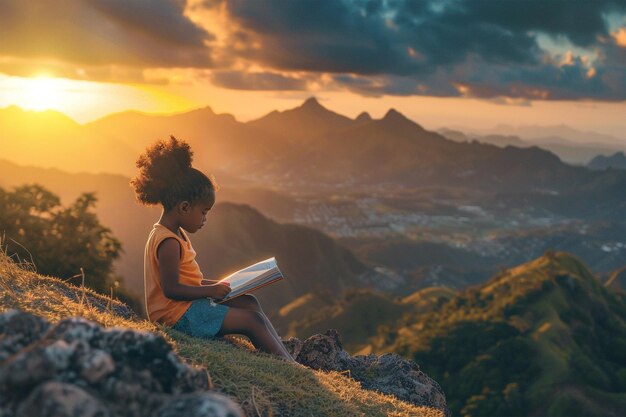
(58, 240)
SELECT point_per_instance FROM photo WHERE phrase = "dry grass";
(263, 384)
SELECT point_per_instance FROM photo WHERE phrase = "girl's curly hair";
(167, 177)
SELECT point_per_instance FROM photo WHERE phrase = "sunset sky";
(468, 63)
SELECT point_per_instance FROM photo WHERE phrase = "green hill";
(266, 385)
(360, 315)
(544, 338)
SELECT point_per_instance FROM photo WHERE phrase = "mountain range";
(615, 161)
(309, 146)
(569, 151)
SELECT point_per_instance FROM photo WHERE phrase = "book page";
(248, 274)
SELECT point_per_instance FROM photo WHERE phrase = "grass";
(263, 384)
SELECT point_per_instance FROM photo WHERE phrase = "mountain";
(558, 134)
(615, 161)
(493, 139)
(34, 120)
(304, 148)
(543, 338)
(302, 123)
(572, 152)
(51, 139)
(395, 150)
(219, 142)
(363, 117)
(360, 315)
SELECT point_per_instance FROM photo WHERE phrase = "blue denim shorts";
(202, 319)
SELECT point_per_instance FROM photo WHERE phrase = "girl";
(176, 293)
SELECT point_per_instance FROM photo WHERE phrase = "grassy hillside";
(544, 338)
(272, 386)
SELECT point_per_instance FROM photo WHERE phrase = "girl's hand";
(220, 290)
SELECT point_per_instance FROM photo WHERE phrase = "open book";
(252, 278)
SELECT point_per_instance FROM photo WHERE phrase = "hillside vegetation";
(268, 385)
(360, 316)
(544, 338)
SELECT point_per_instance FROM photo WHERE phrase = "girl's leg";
(252, 324)
(250, 302)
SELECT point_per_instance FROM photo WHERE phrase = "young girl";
(176, 292)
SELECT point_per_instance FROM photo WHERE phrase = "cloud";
(151, 33)
(406, 37)
(508, 51)
(312, 35)
(619, 37)
(104, 73)
(405, 47)
(239, 80)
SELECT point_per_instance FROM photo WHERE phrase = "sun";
(43, 93)
(85, 100)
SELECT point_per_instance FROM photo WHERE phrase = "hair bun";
(162, 164)
(170, 157)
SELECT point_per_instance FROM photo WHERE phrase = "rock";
(324, 352)
(203, 404)
(19, 329)
(58, 399)
(35, 364)
(392, 374)
(75, 328)
(293, 346)
(96, 365)
(388, 373)
(76, 367)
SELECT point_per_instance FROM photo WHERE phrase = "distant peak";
(396, 118)
(393, 114)
(17, 111)
(363, 117)
(312, 103)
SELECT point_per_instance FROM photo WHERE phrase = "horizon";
(377, 114)
(470, 65)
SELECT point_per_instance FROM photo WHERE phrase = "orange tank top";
(160, 308)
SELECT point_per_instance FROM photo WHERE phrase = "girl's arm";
(168, 254)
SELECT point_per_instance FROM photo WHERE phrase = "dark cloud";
(162, 20)
(374, 37)
(483, 48)
(239, 80)
(312, 35)
(113, 32)
(580, 21)
(406, 47)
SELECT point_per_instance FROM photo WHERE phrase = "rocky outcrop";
(388, 373)
(78, 368)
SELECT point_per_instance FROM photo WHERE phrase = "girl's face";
(195, 216)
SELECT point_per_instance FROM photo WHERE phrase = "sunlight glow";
(86, 100)
(42, 93)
